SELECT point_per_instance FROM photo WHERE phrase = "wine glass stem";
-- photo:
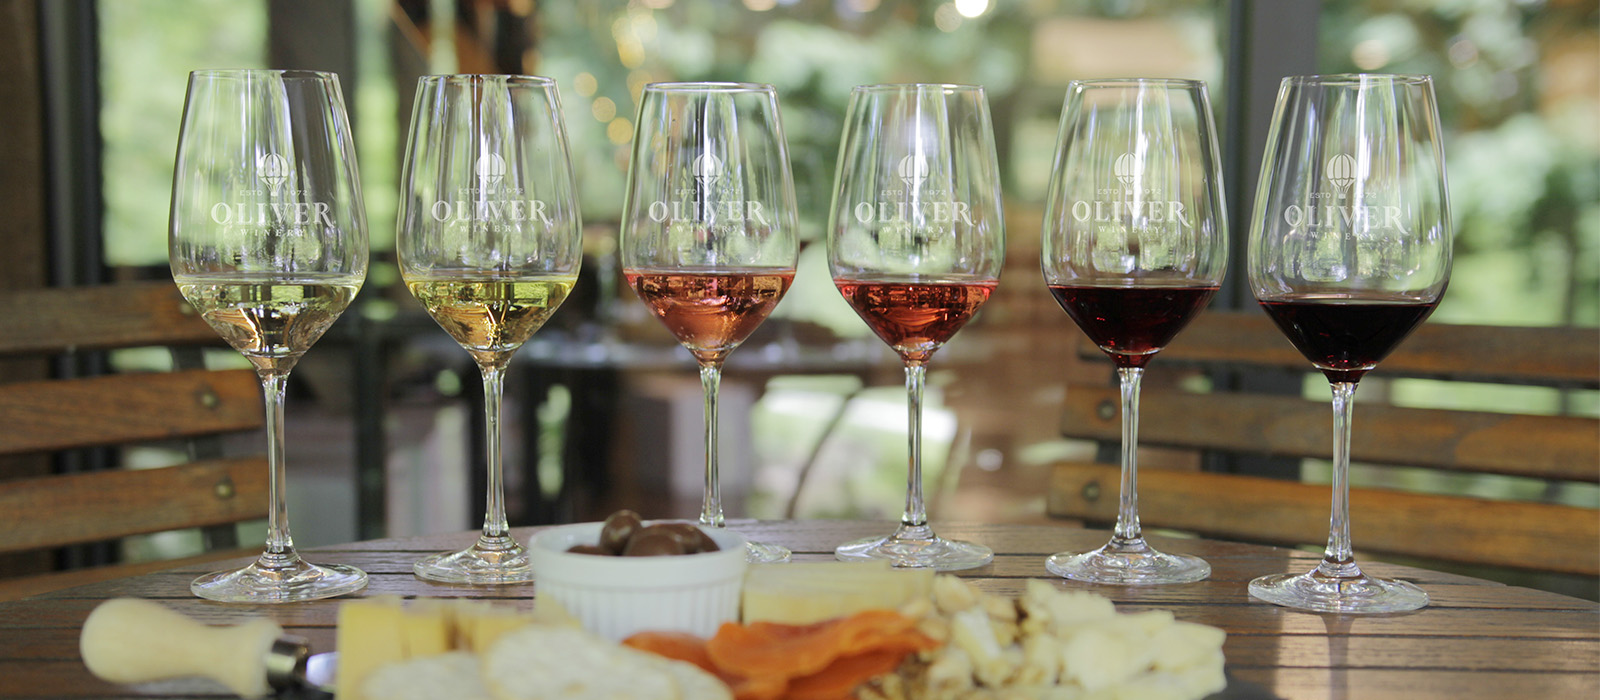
(494, 385)
(711, 507)
(1128, 508)
(280, 545)
(916, 514)
(1337, 560)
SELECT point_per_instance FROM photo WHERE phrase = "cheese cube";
(803, 593)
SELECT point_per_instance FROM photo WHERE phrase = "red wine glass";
(1349, 251)
(708, 237)
(916, 240)
(1135, 245)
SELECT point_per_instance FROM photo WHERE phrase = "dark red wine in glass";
(1344, 337)
(1132, 324)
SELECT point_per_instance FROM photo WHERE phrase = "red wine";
(1132, 324)
(915, 318)
(711, 312)
(1346, 337)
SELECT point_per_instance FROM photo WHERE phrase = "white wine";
(491, 315)
(271, 319)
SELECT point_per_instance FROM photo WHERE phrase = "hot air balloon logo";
(491, 169)
(1341, 171)
(1126, 169)
(707, 168)
(913, 170)
(272, 169)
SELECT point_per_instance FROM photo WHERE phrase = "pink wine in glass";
(711, 312)
(1342, 336)
(915, 318)
(1132, 323)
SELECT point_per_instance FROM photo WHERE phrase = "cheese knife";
(129, 640)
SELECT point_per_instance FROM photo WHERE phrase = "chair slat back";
(120, 410)
(1520, 534)
(135, 314)
(95, 506)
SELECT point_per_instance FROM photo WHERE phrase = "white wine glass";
(916, 241)
(490, 243)
(268, 240)
(1349, 252)
(709, 234)
(1135, 245)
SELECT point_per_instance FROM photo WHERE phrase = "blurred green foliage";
(1519, 105)
(147, 50)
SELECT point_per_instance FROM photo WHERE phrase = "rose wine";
(271, 319)
(1132, 323)
(916, 318)
(1346, 337)
(490, 315)
(711, 311)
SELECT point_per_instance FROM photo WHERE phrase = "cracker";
(563, 663)
(452, 675)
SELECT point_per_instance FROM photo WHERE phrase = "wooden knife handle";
(128, 640)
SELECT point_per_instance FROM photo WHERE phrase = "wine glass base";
(932, 553)
(1128, 563)
(491, 561)
(1360, 594)
(294, 579)
(764, 553)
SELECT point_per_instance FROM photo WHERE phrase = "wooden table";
(1477, 640)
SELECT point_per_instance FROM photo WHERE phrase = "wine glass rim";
(907, 87)
(1357, 79)
(712, 86)
(259, 73)
(480, 77)
(1136, 82)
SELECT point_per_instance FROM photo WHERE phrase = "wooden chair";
(49, 511)
(1516, 534)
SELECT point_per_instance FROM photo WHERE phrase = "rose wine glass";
(490, 242)
(916, 240)
(268, 241)
(709, 238)
(1135, 245)
(1349, 251)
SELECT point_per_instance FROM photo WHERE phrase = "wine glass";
(709, 238)
(1135, 245)
(490, 243)
(916, 240)
(268, 240)
(1349, 251)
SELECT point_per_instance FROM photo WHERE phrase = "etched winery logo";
(1341, 172)
(491, 169)
(260, 207)
(707, 170)
(1127, 170)
(1347, 207)
(272, 169)
(913, 170)
(1137, 203)
(714, 201)
(919, 205)
(492, 203)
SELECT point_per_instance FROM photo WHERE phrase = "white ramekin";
(617, 596)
